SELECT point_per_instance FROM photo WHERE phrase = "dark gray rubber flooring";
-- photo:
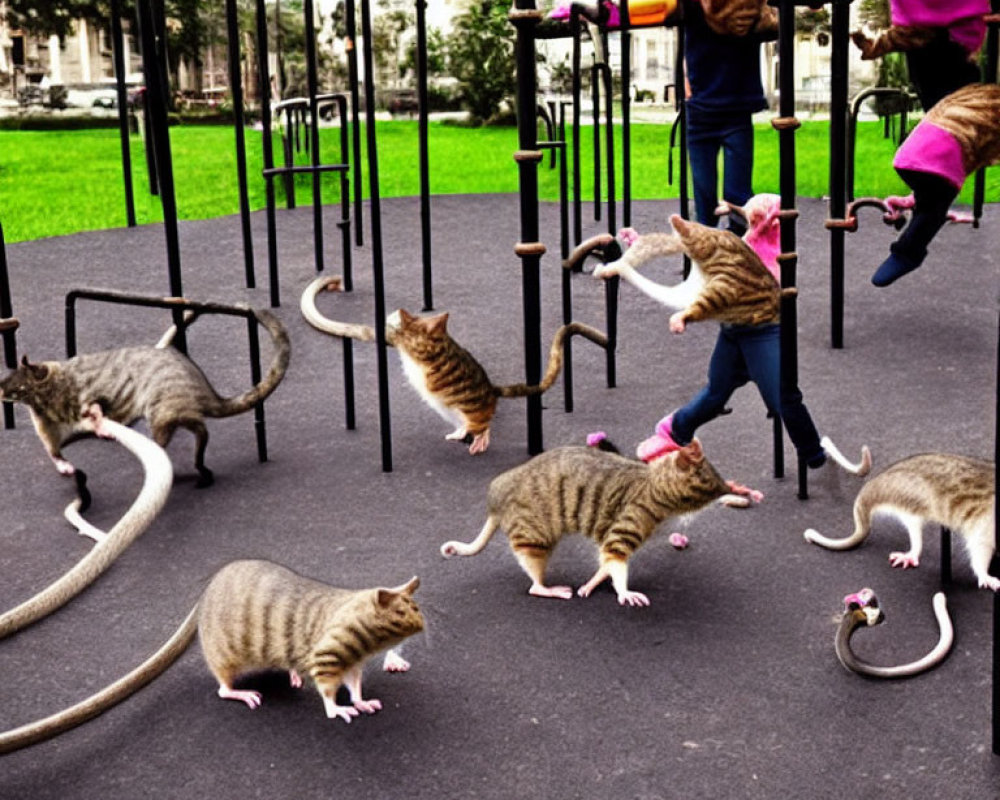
(726, 686)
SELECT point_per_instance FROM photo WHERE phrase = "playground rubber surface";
(726, 686)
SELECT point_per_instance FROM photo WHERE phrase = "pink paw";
(677, 324)
(368, 706)
(678, 540)
(903, 560)
(294, 679)
(394, 662)
(558, 592)
(252, 699)
(630, 598)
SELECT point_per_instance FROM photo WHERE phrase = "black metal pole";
(154, 69)
(264, 95)
(377, 266)
(574, 17)
(118, 54)
(595, 102)
(525, 17)
(838, 171)
(425, 181)
(626, 70)
(312, 81)
(989, 76)
(239, 121)
(995, 566)
(352, 79)
(7, 314)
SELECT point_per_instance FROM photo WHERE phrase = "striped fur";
(453, 383)
(256, 615)
(728, 281)
(954, 491)
(972, 115)
(615, 501)
(159, 384)
(894, 39)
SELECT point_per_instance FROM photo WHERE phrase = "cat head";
(401, 327)
(735, 17)
(700, 241)
(23, 383)
(399, 613)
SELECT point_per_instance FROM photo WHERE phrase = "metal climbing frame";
(8, 328)
(315, 168)
(178, 306)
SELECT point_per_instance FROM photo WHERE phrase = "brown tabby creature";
(157, 383)
(728, 281)
(618, 502)
(950, 490)
(740, 17)
(453, 383)
(257, 615)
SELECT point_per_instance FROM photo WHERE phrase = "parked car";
(402, 101)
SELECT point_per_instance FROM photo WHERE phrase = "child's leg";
(726, 372)
(737, 169)
(939, 68)
(933, 197)
(762, 353)
(704, 142)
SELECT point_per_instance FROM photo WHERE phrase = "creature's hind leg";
(980, 547)
(533, 556)
(915, 529)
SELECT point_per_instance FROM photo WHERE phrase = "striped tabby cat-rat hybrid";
(955, 491)
(453, 383)
(728, 281)
(257, 615)
(158, 383)
(618, 502)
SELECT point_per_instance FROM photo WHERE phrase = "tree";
(54, 17)
(481, 57)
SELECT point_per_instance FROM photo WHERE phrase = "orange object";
(650, 12)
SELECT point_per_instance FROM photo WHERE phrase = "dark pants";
(706, 136)
(749, 353)
(939, 68)
(932, 197)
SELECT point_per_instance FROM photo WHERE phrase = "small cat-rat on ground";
(158, 383)
(618, 502)
(942, 488)
(256, 615)
(446, 375)
(454, 383)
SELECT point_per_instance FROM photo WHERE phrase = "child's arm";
(897, 39)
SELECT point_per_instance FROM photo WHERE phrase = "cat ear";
(37, 371)
(681, 225)
(386, 596)
(405, 315)
(438, 324)
(692, 453)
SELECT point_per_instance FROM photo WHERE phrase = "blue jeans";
(749, 353)
(706, 136)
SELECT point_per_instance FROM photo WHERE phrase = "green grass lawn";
(55, 183)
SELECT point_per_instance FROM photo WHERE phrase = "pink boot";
(660, 443)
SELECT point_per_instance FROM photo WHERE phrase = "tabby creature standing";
(955, 491)
(453, 383)
(257, 615)
(618, 502)
(158, 383)
(728, 281)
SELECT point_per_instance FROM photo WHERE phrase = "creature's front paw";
(904, 560)
(346, 713)
(990, 582)
(294, 679)
(479, 444)
(64, 467)
(677, 322)
(394, 662)
(368, 706)
(608, 270)
(252, 699)
(558, 592)
(630, 598)
(678, 541)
